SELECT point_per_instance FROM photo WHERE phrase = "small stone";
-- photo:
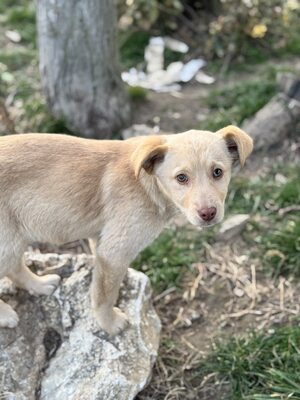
(232, 226)
(279, 178)
(238, 292)
(13, 36)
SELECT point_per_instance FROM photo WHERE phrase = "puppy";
(119, 194)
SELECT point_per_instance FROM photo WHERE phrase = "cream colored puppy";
(119, 194)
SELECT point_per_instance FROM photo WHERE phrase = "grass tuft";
(17, 59)
(132, 49)
(41, 119)
(166, 259)
(234, 104)
(137, 93)
(170, 256)
(281, 247)
(22, 18)
(258, 366)
(277, 241)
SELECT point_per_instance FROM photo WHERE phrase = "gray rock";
(232, 226)
(274, 122)
(288, 84)
(58, 352)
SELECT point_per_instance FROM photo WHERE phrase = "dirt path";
(174, 112)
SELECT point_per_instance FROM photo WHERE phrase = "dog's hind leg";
(12, 264)
(34, 284)
(8, 317)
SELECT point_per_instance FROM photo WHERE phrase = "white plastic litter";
(154, 55)
(190, 69)
(202, 77)
(176, 45)
(165, 80)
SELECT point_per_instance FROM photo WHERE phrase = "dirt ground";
(174, 112)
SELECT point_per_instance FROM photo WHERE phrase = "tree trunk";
(79, 65)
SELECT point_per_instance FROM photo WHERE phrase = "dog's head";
(193, 168)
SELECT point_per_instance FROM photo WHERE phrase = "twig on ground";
(281, 290)
(164, 294)
(289, 209)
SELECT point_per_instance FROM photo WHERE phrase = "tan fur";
(243, 141)
(119, 194)
(145, 155)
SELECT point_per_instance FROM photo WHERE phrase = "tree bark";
(79, 65)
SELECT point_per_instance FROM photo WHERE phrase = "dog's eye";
(217, 173)
(182, 178)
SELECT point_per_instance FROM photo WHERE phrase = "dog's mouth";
(195, 220)
(204, 224)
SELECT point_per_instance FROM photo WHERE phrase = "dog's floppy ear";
(239, 144)
(150, 151)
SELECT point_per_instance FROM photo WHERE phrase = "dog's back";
(51, 184)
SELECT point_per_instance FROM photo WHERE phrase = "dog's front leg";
(118, 244)
(108, 275)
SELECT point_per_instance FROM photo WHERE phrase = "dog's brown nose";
(207, 213)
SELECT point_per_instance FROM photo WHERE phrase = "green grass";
(281, 247)
(137, 93)
(276, 238)
(17, 59)
(166, 259)
(233, 105)
(261, 367)
(172, 56)
(170, 256)
(41, 119)
(132, 49)
(6, 5)
(255, 194)
(21, 16)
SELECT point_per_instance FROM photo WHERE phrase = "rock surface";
(58, 352)
(273, 123)
(232, 226)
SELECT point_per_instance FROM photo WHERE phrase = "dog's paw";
(8, 317)
(44, 285)
(113, 323)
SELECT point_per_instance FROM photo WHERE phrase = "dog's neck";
(165, 207)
